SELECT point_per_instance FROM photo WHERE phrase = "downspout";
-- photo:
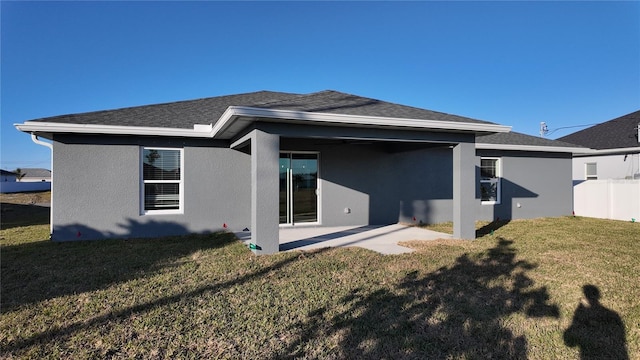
(635, 174)
(35, 139)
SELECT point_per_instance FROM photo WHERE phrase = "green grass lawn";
(512, 293)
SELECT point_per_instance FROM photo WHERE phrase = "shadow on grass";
(491, 227)
(61, 332)
(596, 330)
(37, 271)
(14, 215)
(454, 312)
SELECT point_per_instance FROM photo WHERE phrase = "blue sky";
(513, 63)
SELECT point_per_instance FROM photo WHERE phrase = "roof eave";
(541, 148)
(249, 114)
(618, 151)
(202, 131)
(238, 117)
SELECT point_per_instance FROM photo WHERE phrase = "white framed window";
(162, 185)
(591, 171)
(490, 175)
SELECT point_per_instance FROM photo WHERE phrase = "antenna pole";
(543, 129)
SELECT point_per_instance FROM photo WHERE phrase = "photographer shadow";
(597, 331)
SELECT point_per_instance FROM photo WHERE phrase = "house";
(612, 166)
(35, 175)
(617, 149)
(27, 180)
(264, 160)
(8, 176)
(8, 179)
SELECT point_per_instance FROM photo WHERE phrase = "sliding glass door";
(298, 187)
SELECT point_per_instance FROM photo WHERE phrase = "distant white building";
(617, 149)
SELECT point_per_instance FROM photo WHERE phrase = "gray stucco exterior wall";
(416, 186)
(265, 154)
(353, 183)
(464, 199)
(374, 183)
(96, 192)
(532, 185)
(97, 186)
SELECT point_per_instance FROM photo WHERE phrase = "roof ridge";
(293, 95)
(299, 96)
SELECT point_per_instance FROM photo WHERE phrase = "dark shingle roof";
(335, 102)
(184, 114)
(620, 132)
(7, 173)
(516, 138)
(180, 114)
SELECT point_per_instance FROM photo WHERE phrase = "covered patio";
(379, 173)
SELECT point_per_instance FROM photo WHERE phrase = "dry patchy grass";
(36, 197)
(510, 294)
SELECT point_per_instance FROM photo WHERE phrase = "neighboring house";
(35, 175)
(617, 149)
(263, 160)
(40, 180)
(614, 162)
(8, 176)
(12, 183)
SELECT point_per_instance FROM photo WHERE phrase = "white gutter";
(34, 126)
(35, 139)
(232, 112)
(562, 149)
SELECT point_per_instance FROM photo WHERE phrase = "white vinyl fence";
(24, 186)
(607, 199)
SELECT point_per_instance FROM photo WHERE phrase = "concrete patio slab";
(381, 238)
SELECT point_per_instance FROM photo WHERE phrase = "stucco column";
(464, 191)
(265, 152)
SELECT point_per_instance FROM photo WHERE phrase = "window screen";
(591, 171)
(162, 177)
(490, 180)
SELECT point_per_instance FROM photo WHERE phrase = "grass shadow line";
(491, 227)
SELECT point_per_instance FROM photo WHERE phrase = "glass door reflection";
(298, 188)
